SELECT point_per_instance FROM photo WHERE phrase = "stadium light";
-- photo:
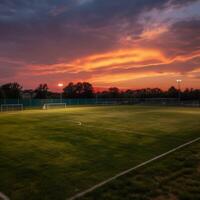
(179, 88)
(60, 85)
(179, 83)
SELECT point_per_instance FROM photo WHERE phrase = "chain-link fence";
(38, 103)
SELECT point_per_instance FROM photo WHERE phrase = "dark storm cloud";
(39, 36)
(187, 35)
(182, 38)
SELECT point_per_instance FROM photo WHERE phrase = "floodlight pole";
(179, 89)
(61, 97)
(96, 95)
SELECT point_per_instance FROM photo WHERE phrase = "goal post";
(47, 106)
(11, 107)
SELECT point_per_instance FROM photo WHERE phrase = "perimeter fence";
(38, 103)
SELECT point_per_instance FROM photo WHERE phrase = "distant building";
(28, 94)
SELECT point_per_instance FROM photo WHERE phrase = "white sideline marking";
(3, 196)
(131, 169)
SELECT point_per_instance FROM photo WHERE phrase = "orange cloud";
(120, 57)
(119, 66)
(124, 58)
(110, 78)
(106, 61)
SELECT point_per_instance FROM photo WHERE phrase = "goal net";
(11, 107)
(54, 105)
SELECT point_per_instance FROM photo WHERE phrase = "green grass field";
(175, 177)
(50, 155)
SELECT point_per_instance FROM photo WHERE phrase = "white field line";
(3, 196)
(81, 194)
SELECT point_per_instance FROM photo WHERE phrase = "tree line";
(86, 90)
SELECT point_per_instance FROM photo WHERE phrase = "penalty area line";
(81, 194)
(3, 196)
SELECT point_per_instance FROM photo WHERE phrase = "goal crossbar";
(11, 107)
(54, 105)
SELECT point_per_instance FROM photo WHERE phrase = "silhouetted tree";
(85, 90)
(114, 92)
(79, 90)
(172, 92)
(69, 90)
(11, 90)
(2, 95)
(128, 93)
(41, 92)
(190, 94)
(88, 91)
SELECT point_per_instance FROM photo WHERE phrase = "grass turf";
(175, 177)
(49, 155)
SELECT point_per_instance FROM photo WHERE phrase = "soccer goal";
(54, 105)
(11, 107)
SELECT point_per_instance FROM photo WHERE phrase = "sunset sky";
(123, 43)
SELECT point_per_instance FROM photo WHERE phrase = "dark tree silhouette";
(2, 95)
(42, 91)
(128, 94)
(85, 90)
(88, 91)
(189, 94)
(172, 92)
(11, 91)
(70, 91)
(79, 90)
(114, 92)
